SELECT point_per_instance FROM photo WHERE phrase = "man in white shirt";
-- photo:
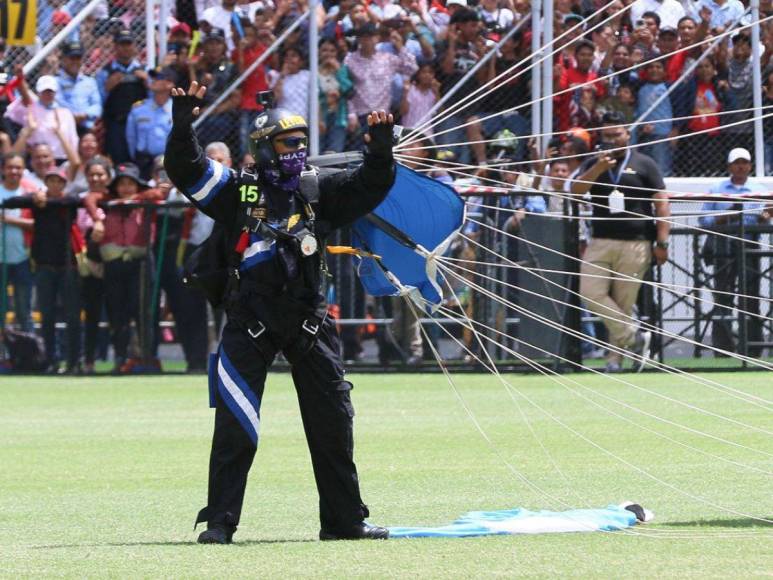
(670, 11)
(222, 17)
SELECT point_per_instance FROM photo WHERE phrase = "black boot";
(217, 534)
(360, 531)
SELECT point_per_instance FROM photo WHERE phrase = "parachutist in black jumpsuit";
(275, 305)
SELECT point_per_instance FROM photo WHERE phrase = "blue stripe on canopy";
(429, 212)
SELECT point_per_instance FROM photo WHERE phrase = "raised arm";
(210, 185)
(348, 195)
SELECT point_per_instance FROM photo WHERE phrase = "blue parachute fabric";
(429, 212)
(522, 521)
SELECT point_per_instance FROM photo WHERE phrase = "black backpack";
(26, 350)
(207, 268)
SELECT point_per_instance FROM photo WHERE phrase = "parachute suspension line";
(623, 277)
(576, 334)
(473, 419)
(557, 376)
(501, 164)
(414, 147)
(745, 397)
(731, 31)
(491, 365)
(750, 360)
(493, 84)
(625, 461)
(571, 197)
(545, 215)
(659, 285)
(427, 165)
(652, 531)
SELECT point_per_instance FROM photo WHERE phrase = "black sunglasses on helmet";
(293, 142)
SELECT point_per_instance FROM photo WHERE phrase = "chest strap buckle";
(310, 327)
(257, 330)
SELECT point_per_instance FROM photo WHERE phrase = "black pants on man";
(60, 286)
(727, 279)
(326, 411)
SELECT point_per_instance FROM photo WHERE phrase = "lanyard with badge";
(616, 198)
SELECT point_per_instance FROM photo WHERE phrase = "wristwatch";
(660, 244)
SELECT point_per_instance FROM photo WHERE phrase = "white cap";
(459, 2)
(738, 153)
(46, 83)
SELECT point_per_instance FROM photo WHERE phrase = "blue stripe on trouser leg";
(238, 397)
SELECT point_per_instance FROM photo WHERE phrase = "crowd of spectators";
(406, 56)
(93, 117)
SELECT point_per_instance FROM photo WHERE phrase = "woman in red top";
(124, 235)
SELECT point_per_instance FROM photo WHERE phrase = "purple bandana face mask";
(290, 165)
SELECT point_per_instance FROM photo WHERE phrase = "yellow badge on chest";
(294, 219)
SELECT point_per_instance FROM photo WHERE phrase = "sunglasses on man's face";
(293, 142)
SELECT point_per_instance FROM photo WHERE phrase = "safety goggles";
(293, 142)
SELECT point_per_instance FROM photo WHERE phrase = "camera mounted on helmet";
(272, 121)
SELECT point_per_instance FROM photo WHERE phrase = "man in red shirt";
(248, 50)
(581, 73)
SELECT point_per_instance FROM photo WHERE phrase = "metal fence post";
(150, 34)
(547, 75)
(163, 17)
(759, 142)
(313, 79)
(536, 76)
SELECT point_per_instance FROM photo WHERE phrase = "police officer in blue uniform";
(271, 221)
(150, 122)
(77, 91)
(121, 83)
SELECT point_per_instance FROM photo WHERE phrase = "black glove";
(182, 113)
(381, 140)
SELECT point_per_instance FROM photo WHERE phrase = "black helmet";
(270, 123)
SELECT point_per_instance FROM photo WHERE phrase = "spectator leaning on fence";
(92, 282)
(123, 237)
(121, 84)
(77, 91)
(150, 122)
(723, 253)
(624, 185)
(55, 245)
(14, 256)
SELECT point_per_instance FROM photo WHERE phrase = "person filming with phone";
(626, 194)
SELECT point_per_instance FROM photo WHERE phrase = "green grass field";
(102, 477)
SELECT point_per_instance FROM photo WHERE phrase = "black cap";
(123, 35)
(129, 170)
(163, 74)
(465, 15)
(667, 30)
(215, 34)
(367, 29)
(74, 48)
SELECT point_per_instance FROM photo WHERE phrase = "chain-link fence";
(423, 62)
